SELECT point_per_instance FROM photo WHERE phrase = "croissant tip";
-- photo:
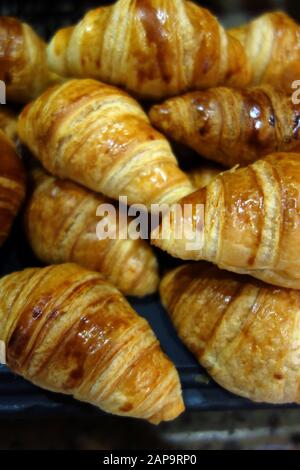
(157, 243)
(171, 411)
(159, 114)
(147, 286)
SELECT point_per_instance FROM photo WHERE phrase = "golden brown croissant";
(61, 222)
(251, 222)
(8, 123)
(203, 175)
(232, 126)
(154, 48)
(12, 185)
(68, 330)
(99, 136)
(245, 333)
(23, 62)
(272, 46)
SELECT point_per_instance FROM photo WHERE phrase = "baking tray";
(17, 396)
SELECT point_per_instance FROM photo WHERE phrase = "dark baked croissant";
(232, 126)
(251, 222)
(8, 123)
(245, 333)
(23, 62)
(67, 330)
(272, 46)
(12, 185)
(99, 136)
(154, 48)
(61, 222)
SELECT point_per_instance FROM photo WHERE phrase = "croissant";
(12, 185)
(8, 123)
(272, 46)
(23, 61)
(250, 225)
(245, 333)
(154, 48)
(232, 126)
(203, 175)
(68, 330)
(97, 135)
(60, 221)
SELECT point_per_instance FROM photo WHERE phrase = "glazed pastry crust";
(153, 48)
(23, 63)
(245, 333)
(230, 126)
(99, 136)
(67, 330)
(251, 221)
(12, 185)
(8, 123)
(272, 46)
(61, 223)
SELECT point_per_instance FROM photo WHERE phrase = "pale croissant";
(23, 62)
(68, 330)
(202, 175)
(61, 225)
(244, 332)
(232, 126)
(154, 48)
(249, 219)
(99, 136)
(272, 46)
(12, 185)
(8, 123)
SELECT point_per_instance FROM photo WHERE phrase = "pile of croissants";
(225, 94)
